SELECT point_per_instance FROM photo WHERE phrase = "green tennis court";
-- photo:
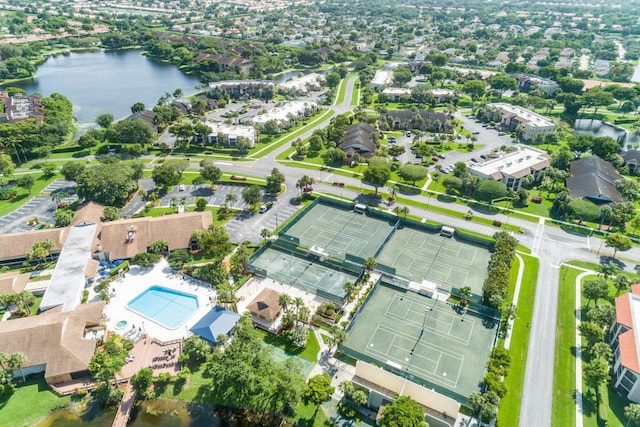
(303, 273)
(417, 255)
(423, 338)
(340, 231)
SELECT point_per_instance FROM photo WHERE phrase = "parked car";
(501, 134)
(473, 159)
(434, 158)
(181, 188)
(459, 136)
(440, 156)
(482, 156)
(476, 132)
(408, 133)
(265, 207)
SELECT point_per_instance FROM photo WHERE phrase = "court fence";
(403, 372)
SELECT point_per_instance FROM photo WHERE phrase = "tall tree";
(317, 391)
(403, 412)
(377, 175)
(619, 242)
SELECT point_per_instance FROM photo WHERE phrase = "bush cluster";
(496, 285)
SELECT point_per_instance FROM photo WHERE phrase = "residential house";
(226, 63)
(287, 113)
(21, 107)
(244, 88)
(530, 82)
(512, 117)
(303, 85)
(381, 79)
(395, 94)
(512, 166)
(265, 308)
(218, 321)
(58, 343)
(359, 138)
(594, 179)
(423, 120)
(631, 159)
(624, 342)
(224, 134)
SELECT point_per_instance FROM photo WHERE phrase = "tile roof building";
(57, 343)
(594, 179)
(265, 308)
(512, 166)
(508, 117)
(624, 339)
(359, 138)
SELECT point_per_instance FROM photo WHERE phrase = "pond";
(161, 412)
(98, 82)
(600, 128)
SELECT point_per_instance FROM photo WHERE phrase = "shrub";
(537, 198)
(145, 259)
(8, 194)
(497, 223)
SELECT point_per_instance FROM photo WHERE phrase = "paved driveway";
(41, 207)
(213, 197)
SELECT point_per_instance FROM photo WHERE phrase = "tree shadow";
(445, 198)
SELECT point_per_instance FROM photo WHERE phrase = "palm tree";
(465, 294)
(607, 270)
(265, 233)
(285, 301)
(632, 413)
(17, 361)
(398, 210)
(298, 303)
(230, 198)
(621, 282)
(370, 263)
(337, 337)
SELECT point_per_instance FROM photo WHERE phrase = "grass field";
(564, 383)
(509, 413)
(40, 183)
(30, 403)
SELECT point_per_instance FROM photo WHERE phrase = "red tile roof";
(628, 351)
(623, 310)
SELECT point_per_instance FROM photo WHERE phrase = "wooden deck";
(126, 405)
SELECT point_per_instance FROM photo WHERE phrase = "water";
(161, 412)
(600, 128)
(107, 82)
(165, 306)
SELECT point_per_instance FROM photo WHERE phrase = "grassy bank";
(509, 413)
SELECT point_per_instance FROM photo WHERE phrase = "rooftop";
(532, 118)
(68, 278)
(217, 128)
(517, 163)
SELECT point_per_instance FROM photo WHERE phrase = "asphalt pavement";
(41, 207)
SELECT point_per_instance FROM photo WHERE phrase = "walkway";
(124, 410)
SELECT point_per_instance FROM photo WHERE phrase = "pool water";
(167, 307)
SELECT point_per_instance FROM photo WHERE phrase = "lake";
(600, 128)
(100, 82)
(161, 412)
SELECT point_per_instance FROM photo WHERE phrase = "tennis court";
(417, 255)
(303, 273)
(425, 339)
(340, 231)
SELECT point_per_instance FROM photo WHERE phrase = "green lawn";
(355, 95)
(155, 212)
(564, 384)
(342, 91)
(304, 416)
(291, 134)
(310, 352)
(30, 403)
(509, 412)
(41, 181)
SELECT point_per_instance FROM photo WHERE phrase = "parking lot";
(213, 197)
(247, 226)
(41, 207)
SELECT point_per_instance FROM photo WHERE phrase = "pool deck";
(136, 281)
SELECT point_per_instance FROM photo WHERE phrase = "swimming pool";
(167, 307)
